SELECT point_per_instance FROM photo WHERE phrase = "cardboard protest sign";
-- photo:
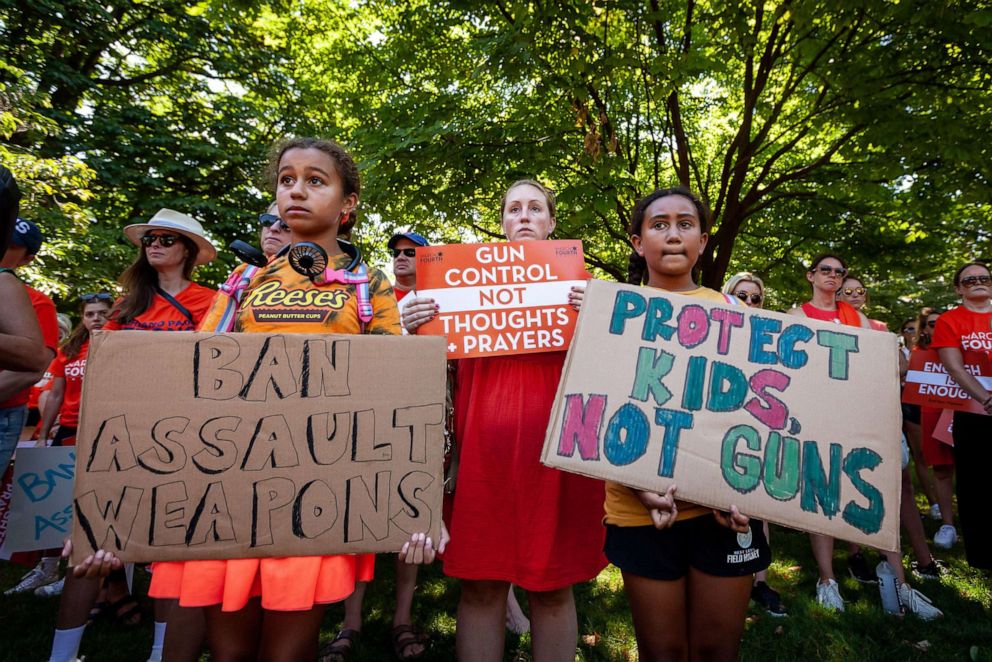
(793, 420)
(204, 446)
(6, 495)
(928, 384)
(502, 298)
(41, 508)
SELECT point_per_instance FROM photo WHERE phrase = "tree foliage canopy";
(855, 127)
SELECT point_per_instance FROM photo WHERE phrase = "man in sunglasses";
(274, 233)
(26, 241)
(403, 247)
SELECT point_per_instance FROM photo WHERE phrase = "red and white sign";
(502, 298)
(928, 384)
(944, 432)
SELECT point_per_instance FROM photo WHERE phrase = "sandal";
(97, 612)
(125, 611)
(340, 647)
(405, 636)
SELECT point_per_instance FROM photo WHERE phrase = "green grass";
(864, 632)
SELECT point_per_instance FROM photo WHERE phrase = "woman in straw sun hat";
(160, 295)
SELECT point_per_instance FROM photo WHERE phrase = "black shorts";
(911, 413)
(700, 542)
(63, 434)
(34, 417)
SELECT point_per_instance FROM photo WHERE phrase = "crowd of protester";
(686, 599)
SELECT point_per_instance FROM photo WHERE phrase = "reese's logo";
(271, 302)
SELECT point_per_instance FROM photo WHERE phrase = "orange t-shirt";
(622, 506)
(72, 371)
(280, 300)
(163, 316)
(44, 310)
(965, 329)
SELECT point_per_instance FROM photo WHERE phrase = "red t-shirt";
(400, 292)
(42, 385)
(843, 314)
(963, 328)
(163, 316)
(72, 371)
(44, 309)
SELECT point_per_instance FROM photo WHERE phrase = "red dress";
(514, 519)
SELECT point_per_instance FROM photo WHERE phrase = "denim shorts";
(11, 424)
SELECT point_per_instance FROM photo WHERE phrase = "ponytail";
(637, 268)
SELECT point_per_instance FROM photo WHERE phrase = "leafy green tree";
(805, 126)
(166, 104)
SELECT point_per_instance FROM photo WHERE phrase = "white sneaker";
(39, 576)
(918, 603)
(935, 511)
(50, 590)
(945, 537)
(828, 595)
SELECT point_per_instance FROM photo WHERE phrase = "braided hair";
(637, 266)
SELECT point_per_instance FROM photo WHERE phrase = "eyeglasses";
(743, 296)
(164, 240)
(826, 271)
(96, 296)
(409, 252)
(971, 281)
(848, 291)
(267, 220)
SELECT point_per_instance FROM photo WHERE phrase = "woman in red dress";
(514, 520)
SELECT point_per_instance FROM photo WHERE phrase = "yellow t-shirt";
(280, 300)
(623, 508)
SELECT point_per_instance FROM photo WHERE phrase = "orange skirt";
(285, 584)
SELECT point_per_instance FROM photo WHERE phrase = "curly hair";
(344, 166)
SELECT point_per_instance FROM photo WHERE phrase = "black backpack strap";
(175, 304)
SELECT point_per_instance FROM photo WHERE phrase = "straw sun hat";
(166, 219)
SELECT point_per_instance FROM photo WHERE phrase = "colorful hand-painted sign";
(505, 298)
(41, 509)
(793, 420)
(928, 384)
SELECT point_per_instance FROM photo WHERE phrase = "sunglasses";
(96, 296)
(971, 281)
(909, 329)
(743, 296)
(848, 291)
(409, 252)
(931, 323)
(267, 220)
(826, 271)
(164, 240)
